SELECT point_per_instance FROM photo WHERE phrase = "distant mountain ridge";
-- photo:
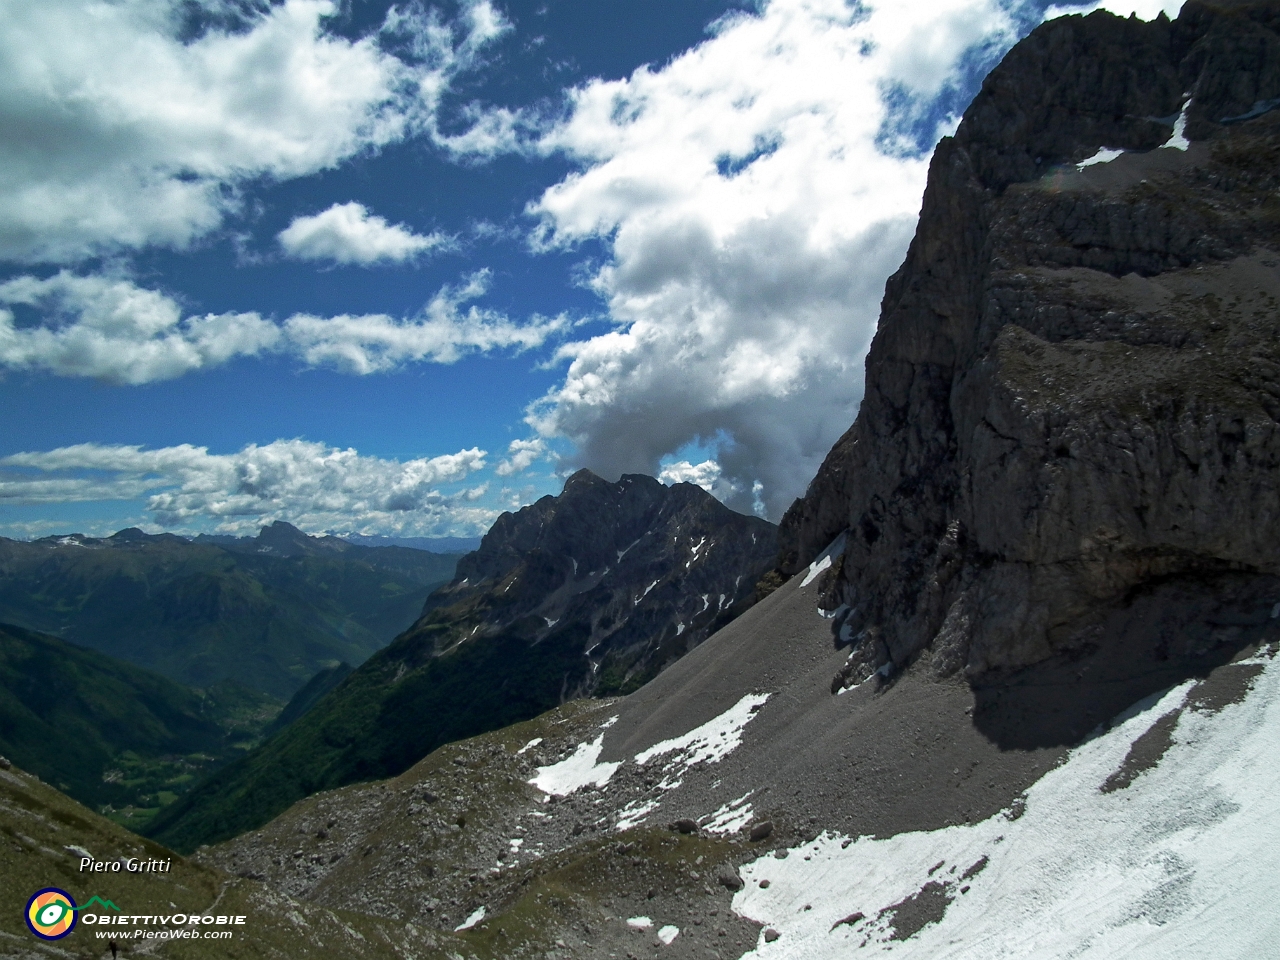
(268, 612)
(284, 539)
(431, 544)
(593, 591)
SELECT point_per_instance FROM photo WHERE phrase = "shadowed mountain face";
(267, 612)
(591, 591)
(1073, 397)
(632, 575)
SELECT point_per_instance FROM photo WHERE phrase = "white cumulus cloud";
(309, 484)
(523, 453)
(348, 233)
(443, 333)
(755, 193)
(110, 329)
(121, 132)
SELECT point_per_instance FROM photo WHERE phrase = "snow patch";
(823, 562)
(639, 923)
(1104, 155)
(697, 547)
(576, 771)
(815, 569)
(1180, 863)
(832, 614)
(529, 746)
(612, 720)
(1178, 140)
(668, 933)
(709, 743)
(634, 813)
(732, 817)
(472, 920)
(679, 629)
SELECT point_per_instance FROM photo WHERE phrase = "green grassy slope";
(42, 834)
(112, 734)
(402, 704)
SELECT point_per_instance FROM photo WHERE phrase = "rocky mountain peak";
(640, 571)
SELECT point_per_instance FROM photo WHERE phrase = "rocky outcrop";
(634, 573)
(1074, 393)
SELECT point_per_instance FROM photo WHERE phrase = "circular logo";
(51, 913)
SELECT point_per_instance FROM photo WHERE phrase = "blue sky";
(394, 269)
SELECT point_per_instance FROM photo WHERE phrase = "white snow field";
(709, 743)
(580, 768)
(1181, 863)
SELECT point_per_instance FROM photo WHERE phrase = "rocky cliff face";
(1072, 399)
(633, 573)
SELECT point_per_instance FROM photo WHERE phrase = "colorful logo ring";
(51, 913)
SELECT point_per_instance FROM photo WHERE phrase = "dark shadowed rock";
(730, 879)
(633, 574)
(1073, 397)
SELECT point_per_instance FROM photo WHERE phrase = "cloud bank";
(113, 330)
(122, 132)
(346, 233)
(313, 486)
(755, 194)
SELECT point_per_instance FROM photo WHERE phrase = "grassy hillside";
(113, 735)
(266, 613)
(44, 834)
(402, 704)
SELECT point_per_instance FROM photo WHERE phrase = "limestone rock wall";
(1074, 392)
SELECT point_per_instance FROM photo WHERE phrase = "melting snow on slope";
(472, 920)
(633, 814)
(824, 560)
(529, 746)
(731, 817)
(1179, 141)
(711, 742)
(576, 771)
(1180, 863)
(1104, 155)
(639, 923)
(668, 933)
